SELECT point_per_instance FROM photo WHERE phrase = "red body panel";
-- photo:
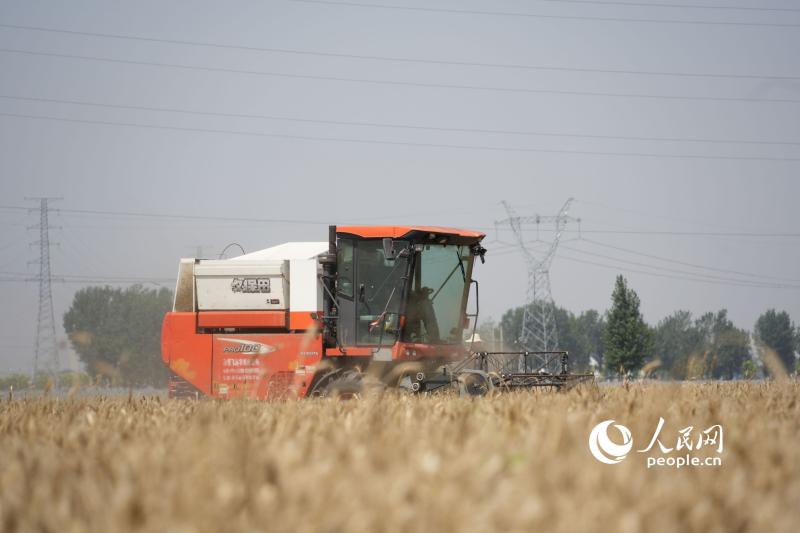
(264, 365)
(241, 319)
(185, 352)
(231, 365)
(350, 351)
(302, 320)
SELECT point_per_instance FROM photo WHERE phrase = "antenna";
(46, 354)
(539, 331)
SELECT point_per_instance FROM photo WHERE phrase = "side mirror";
(388, 249)
(480, 251)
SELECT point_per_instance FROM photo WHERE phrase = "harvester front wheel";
(346, 386)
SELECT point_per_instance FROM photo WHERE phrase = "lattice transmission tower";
(46, 355)
(539, 331)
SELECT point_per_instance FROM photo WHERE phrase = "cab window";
(344, 260)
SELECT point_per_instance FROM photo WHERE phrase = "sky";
(675, 130)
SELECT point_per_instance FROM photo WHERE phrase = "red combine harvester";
(372, 305)
(375, 306)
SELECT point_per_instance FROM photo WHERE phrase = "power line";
(388, 125)
(680, 220)
(94, 212)
(402, 143)
(675, 6)
(140, 214)
(71, 246)
(669, 233)
(132, 279)
(402, 83)
(693, 265)
(397, 59)
(669, 276)
(694, 233)
(542, 16)
(682, 272)
(74, 278)
(89, 281)
(192, 217)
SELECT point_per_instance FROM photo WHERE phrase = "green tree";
(776, 331)
(708, 347)
(568, 338)
(116, 333)
(15, 381)
(589, 326)
(797, 349)
(725, 347)
(676, 340)
(749, 369)
(511, 325)
(627, 339)
(68, 379)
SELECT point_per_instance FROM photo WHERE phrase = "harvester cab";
(401, 292)
(396, 299)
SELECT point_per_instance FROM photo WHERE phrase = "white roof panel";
(286, 251)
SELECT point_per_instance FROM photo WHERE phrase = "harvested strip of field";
(516, 462)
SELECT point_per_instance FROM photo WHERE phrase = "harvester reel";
(474, 383)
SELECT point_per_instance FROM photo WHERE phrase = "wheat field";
(512, 462)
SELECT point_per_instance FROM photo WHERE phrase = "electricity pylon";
(46, 355)
(539, 331)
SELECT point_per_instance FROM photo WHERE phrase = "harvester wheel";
(347, 386)
(474, 384)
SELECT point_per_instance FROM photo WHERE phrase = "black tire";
(347, 386)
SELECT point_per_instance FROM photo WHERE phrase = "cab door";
(371, 292)
(345, 292)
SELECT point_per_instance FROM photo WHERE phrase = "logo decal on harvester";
(606, 451)
(250, 285)
(247, 346)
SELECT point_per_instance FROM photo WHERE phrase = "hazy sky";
(201, 162)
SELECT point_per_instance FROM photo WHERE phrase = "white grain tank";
(280, 278)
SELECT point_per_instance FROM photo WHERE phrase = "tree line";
(116, 334)
(680, 346)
